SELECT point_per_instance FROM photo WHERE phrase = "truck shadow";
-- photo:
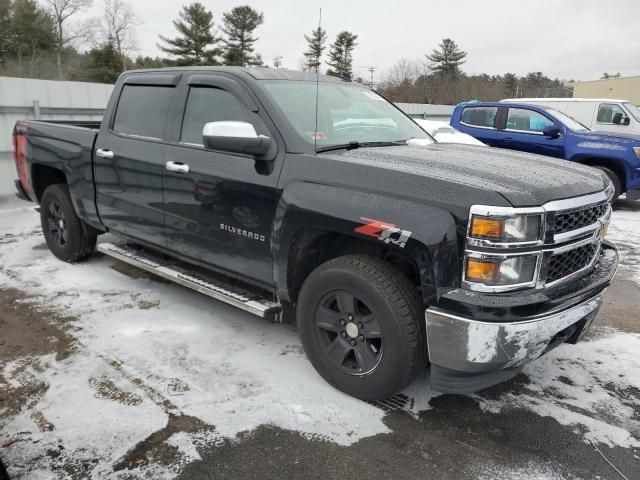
(627, 205)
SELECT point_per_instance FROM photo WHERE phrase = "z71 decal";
(386, 232)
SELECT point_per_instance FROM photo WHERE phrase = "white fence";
(22, 98)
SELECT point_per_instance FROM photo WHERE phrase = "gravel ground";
(106, 372)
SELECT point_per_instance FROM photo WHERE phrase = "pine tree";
(239, 25)
(510, 84)
(197, 43)
(446, 60)
(315, 49)
(104, 63)
(32, 32)
(341, 55)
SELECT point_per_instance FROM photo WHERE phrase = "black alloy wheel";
(349, 333)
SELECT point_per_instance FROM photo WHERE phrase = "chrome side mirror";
(237, 137)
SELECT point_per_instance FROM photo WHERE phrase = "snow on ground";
(624, 231)
(210, 361)
(165, 350)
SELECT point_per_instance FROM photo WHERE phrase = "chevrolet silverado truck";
(545, 130)
(267, 188)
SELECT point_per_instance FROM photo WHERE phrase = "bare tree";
(66, 34)
(119, 23)
(402, 76)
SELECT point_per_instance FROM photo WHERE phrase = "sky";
(568, 39)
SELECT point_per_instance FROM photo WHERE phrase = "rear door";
(522, 130)
(129, 158)
(479, 122)
(220, 213)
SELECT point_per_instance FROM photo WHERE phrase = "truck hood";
(522, 179)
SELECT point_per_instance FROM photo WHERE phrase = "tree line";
(55, 39)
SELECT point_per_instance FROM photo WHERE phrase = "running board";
(212, 287)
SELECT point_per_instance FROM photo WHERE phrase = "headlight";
(637, 151)
(508, 229)
(496, 271)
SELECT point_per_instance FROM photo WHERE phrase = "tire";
(360, 325)
(66, 236)
(615, 180)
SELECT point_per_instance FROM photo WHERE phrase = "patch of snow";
(210, 361)
(592, 386)
(602, 146)
(529, 472)
(624, 232)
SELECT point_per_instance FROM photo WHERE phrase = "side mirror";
(237, 137)
(552, 131)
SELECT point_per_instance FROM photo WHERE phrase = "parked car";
(445, 133)
(547, 131)
(602, 114)
(393, 248)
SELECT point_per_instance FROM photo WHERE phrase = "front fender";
(424, 233)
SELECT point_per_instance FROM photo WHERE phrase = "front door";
(220, 212)
(523, 132)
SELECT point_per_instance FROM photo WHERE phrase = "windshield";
(346, 114)
(569, 122)
(633, 109)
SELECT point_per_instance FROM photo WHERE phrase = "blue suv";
(545, 131)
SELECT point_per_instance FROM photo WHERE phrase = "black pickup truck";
(265, 188)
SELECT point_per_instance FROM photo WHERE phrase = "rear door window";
(479, 116)
(142, 111)
(524, 120)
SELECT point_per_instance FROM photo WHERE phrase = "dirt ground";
(456, 437)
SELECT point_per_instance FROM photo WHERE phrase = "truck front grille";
(568, 221)
(564, 264)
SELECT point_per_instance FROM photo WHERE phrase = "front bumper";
(468, 354)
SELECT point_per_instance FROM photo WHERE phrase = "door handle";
(508, 139)
(178, 167)
(104, 153)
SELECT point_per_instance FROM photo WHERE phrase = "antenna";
(315, 131)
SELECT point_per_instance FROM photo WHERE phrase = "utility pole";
(277, 61)
(371, 70)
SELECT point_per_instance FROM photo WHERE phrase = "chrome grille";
(582, 217)
(564, 264)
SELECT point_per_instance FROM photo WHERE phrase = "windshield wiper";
(354, 144)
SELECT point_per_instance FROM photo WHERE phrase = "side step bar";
(212, 287)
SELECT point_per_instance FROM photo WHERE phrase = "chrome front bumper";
(468, 346)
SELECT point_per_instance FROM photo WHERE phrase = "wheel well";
(42, 176)
(312, 247)
(613, 165)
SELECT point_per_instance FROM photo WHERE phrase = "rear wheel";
(66, 236)
(359, 322)
(615, 180)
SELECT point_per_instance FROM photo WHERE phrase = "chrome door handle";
(177, 167)
(104, 153)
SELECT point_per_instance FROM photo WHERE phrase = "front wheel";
(359, 322)
(66, 236)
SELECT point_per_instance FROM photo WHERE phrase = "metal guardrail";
(37, 111)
